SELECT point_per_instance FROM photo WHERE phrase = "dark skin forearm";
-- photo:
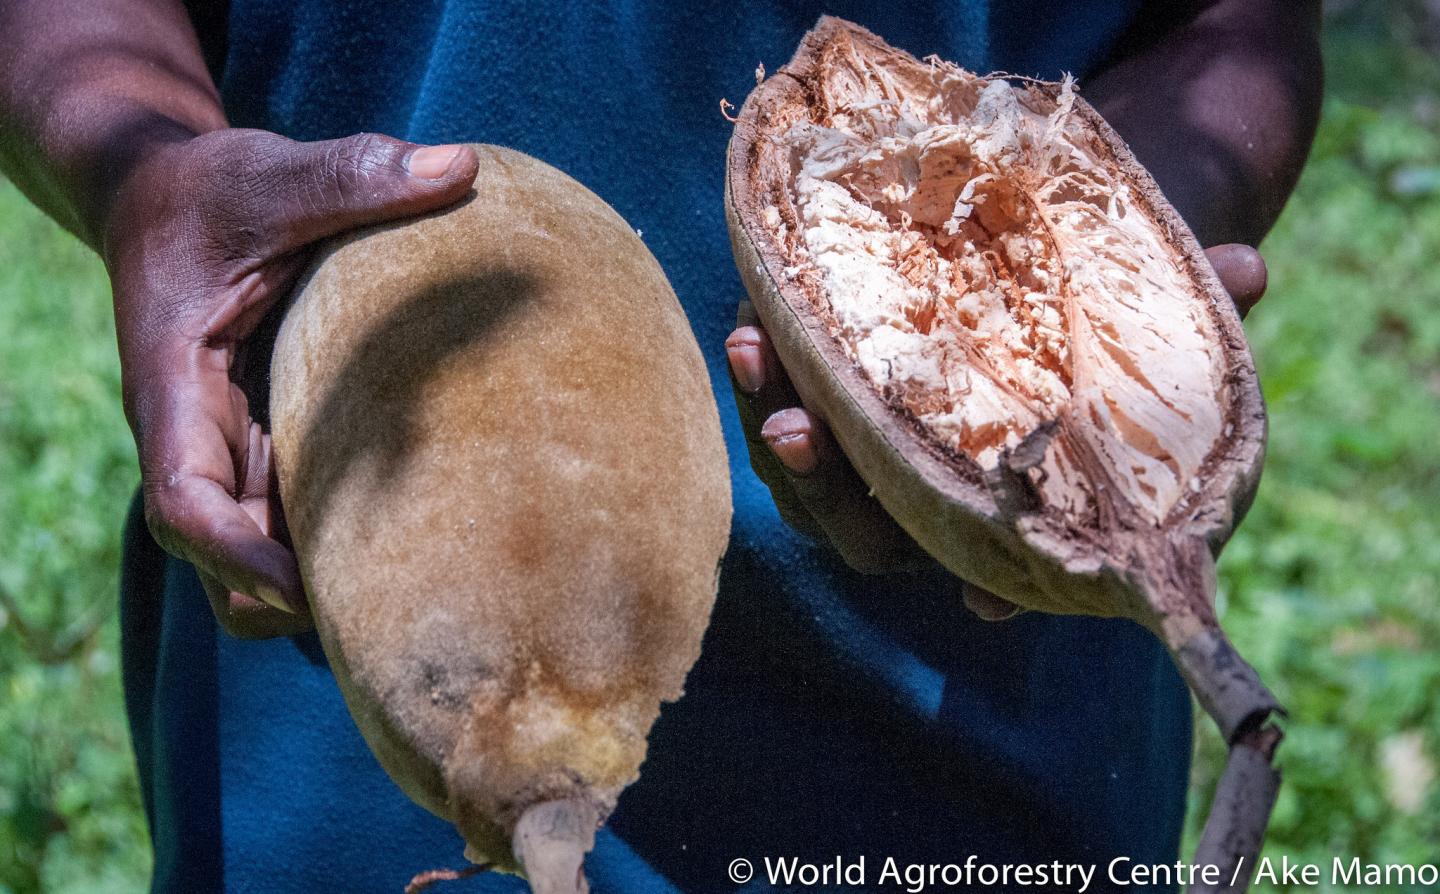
(1219, 100)
(87, 89)
(110, 123)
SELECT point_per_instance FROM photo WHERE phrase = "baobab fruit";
(503, 472)
(1015, 339)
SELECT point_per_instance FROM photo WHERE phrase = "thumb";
(337, 185)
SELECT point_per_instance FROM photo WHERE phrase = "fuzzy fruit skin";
(944, 502)
(503, 471)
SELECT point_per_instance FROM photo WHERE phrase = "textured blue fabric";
(830, 713)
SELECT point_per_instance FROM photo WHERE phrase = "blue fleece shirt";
(830, 713)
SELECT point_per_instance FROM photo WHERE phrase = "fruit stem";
(1178, 582)
(551, 841)
(1231, 692)
(1235, 828)
(1226, 686)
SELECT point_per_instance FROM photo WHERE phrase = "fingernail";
(271, 597)
(986, 605)
(432, 162)
(749, 368)
(788, 435)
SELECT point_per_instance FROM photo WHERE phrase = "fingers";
(835, 496)
(206, 237)
(194, 517)
(303, 192)
(761, 388)
(1242, 272)
(759, 378)
(234, 313)
(205, 476)
(813, 485)
(246, 618)
(367, 179)
(240, 614)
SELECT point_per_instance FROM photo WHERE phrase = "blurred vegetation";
(70, 818)
(1332, 587)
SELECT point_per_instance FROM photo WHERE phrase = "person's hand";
(814, 486)
(203, 237)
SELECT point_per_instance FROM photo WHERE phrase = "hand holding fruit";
(203, 237)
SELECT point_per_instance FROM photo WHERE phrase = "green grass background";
(1332, 587)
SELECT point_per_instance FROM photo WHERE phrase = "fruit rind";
(941, 499)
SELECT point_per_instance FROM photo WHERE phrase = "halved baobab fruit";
(1014, 337)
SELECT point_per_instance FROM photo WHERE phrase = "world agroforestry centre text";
(1121, 872)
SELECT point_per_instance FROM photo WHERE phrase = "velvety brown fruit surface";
(502, 467)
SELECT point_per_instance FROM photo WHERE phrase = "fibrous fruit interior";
(989, 271)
